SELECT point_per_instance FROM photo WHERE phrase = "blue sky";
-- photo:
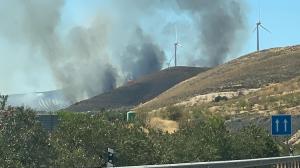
(280, 17)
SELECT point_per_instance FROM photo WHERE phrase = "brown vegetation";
(254, 70)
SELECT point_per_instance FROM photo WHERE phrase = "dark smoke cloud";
(142, 56)
(219, 25)
(109, 80)
(83, 61)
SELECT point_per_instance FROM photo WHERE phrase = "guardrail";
(276, 162)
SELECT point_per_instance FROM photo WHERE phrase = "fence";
(274, 162)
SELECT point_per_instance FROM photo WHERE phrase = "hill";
(40, 101)
(139, 91)
(238, 110)
(250, 71)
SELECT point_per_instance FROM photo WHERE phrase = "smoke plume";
(116, 44)
(219, 25)
(78, 61)
(83, 67)
(142, 56)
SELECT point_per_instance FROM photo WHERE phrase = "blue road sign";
(281, 125)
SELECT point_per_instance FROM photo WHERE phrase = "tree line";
(82, 139)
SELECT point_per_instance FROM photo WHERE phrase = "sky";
(32, 74)
(280, 17)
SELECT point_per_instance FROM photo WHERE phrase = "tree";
(3, 100)
(80, 140)
(253, 142)
(133, 145)
(23, 143)
(202, 141)
(85, 138)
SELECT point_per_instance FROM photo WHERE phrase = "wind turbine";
(176, 44)
(259, 25)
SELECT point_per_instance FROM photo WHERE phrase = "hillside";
(40, 101)
(138, 91)
(247, 72)
(240, 109)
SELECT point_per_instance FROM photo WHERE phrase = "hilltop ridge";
(139, 91)
(253, 70)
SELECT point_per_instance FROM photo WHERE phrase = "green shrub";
(3, 101)
(253, 142)
(81, 140)
(174, 112)
(23, 142)
(220, 98)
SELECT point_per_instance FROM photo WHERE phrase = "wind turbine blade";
(259, 10)
(254, 29)
(176, 34)
(264, 28)
(179, 45)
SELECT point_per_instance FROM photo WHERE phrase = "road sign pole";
(288, 145)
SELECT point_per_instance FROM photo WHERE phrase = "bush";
(253, 142)
(220, 98)
(23, 142)
(174, 113)
(3, 100)
(81, 140)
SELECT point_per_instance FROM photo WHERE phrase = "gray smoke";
(86, 69)
(219, 26)
(220, 23)
(78, 61)
(142, 56)
(83, 58)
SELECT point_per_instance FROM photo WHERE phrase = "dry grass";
(251, 71)
(164, 125)
(277, 98)
(239, 110)
(260, 103)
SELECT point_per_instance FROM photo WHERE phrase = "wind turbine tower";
(258, 26)
(176, 44)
